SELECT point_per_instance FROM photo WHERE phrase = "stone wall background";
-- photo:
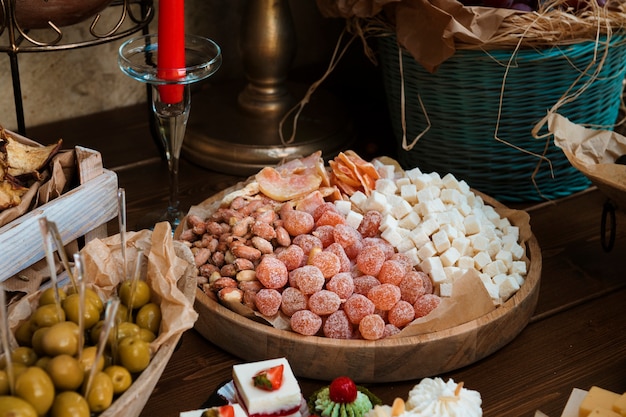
(59, 85)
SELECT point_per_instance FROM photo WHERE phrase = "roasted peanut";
(242, 227)
(262, 244)
(282, 236)
(228, 270)
(207, 269)
(223, 282)
(230, 295)
(246, 275)
(242, 264)
(217, 259)
(248, 299)
(254, 285)
(187, 235)
(264, 230)
(246, 252)
(201, 256)
(214, 228)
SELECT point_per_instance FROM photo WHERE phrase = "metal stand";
(234, 128)
(20, 40)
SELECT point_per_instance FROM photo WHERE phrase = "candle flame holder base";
(223, 137)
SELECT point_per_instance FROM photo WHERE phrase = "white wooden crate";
(82, 211)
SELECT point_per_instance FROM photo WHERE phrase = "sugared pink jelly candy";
(370, 260)
(324, 302)
(357, 307)
(390, 330)
(292, 256)
(425, 304)
(298, 222)
(346, 235)
(384, 296)
(293, 300)
(364, 283)
(307, 243)
(338, 250)
(401, 314)
(337, 326)
(325, 234)
(372, 327)
(305, 322)
(341, 284)
(268, 301)
(391, 272)
(327, 262)
(412, 287)
(271, 272)
(370, 224)
(308, 279)
(330, 218)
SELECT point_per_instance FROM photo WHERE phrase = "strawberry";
(342, 390)
(221, 411)
(269, 379)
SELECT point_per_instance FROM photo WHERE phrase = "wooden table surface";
(575, 339)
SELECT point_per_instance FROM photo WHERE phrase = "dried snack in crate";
(19, 163)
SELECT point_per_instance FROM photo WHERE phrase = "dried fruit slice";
(10, 196)
(24, 159)
(286, 186)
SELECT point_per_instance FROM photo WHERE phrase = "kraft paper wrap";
(593, 152)
(167, 266)
(430, 30)
(54, 182)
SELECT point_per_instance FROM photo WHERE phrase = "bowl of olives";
(100, 348)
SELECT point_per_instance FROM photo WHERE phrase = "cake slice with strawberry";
(267, 388)
(228, 410)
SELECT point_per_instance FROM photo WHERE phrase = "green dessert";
(342, 398)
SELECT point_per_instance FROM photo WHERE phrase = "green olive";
(120, 376)
(66, 372)
(91, 295)
(94, 332)
(11, 406)
(61, 338)
(146, 335)
(70, 404)
(24, 333)
(48, 297)
(124, 329)
(71, 306)
(46, 315)
(87, 359)
(25, 355)
(42, 362)
(35, 386)
(5, 388)
(149, 317)
(133, 354)
(37, 340)
(122, 313)
(137, 298)
(100, 395)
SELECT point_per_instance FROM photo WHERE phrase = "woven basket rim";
(551, 25)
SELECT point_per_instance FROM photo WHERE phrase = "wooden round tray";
(385, 360)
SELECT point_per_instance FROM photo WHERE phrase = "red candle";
(171, 56)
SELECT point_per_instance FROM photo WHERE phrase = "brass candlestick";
(234, 127)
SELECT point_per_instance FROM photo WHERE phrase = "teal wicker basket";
(462, 101)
